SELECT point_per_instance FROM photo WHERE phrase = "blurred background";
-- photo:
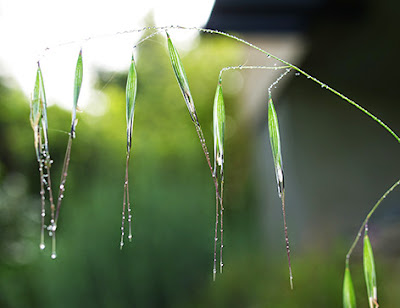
(338, 162)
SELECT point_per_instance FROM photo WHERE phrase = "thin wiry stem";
(126, 203)
(251, 67)
(287, 239)
(365, 222)
(221, 263)
(63, 179)
(47, 165)
(64, 173)
(42, 190)
(215, 235)
(207, 156)
(233, 37)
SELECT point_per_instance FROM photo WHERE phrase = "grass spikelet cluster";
(349, 296)
(38, 118)
(183, 83)
(369, 271)
(219, 133)
(274, 137)
(131, 88)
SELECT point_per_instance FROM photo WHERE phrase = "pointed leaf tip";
(182, 79)
(369, 272)
(275, 141)
(77, 87)
(219, 127)
(131, 88)
(349, 297)
(35, 113)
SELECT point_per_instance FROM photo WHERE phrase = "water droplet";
(62, 187)
(130, 236)
(53, 255)
(43, 214)
(42, 246)
(297, 74)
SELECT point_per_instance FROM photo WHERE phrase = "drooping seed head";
(131, 87)
(274, 138)
(369, 272)
(219, 127)
(349, 297)
(182, 79)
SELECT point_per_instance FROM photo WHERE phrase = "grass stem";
(365, 222)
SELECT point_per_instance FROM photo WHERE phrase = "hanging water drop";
(53, 255)
(42, 246)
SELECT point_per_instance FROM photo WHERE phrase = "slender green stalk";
(372, 211)
(221, 263)
(126, 203)
(287, 239)
(42, 191)
(215, 236)
(63, 180)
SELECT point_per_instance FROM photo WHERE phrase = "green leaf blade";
(219, 127)
(182, 79)
(349, 297)
(36, 112)
(36, 109)
(275, 141)
(131, 88)
(77, 87)
(369, 272)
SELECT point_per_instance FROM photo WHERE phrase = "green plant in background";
(39, 125)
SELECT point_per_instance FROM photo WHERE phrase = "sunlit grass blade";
(77, 90)
(369, 272)
(219, 130)
(275, 141)
(182, 79)
(35, 118)
(349, 297)
(131, 88)
(219, 127)
(36, 113)
(274, 138)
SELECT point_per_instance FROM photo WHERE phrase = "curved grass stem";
(365, 222)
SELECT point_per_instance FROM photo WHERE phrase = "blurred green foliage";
(169, 262)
